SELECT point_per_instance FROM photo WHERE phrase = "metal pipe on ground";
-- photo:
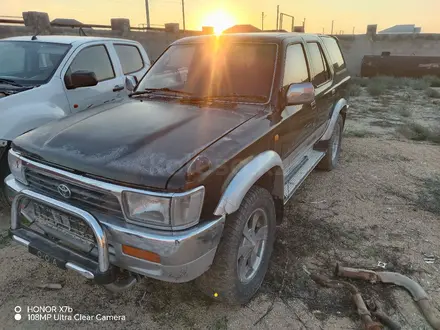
(419, 295)
(362, 309)
(382, 317)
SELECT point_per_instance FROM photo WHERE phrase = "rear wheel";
(330, 160)
(243, 254)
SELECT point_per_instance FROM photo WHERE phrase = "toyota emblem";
(64, 191)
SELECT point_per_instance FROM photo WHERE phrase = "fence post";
(120, 24)
(38, 21)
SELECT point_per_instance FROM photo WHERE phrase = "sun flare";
(220, 20)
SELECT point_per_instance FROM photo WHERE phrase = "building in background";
(402, 29)
(66, 21)
(242, 28)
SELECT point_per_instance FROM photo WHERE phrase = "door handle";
(118, 88)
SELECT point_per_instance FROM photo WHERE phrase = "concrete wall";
(354, 47)
(357, 46)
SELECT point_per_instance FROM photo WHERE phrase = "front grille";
(85, 198)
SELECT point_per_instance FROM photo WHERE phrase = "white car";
(43, 78)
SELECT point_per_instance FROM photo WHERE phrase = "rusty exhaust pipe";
(382, 317)
(419, 295)
(362, 309)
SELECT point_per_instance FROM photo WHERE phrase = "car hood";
(141, 143)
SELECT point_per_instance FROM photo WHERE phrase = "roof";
(63, 39)
(402, 28)
(241, 28)
(275, 37)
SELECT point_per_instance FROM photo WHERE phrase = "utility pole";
(323, 31)
(353, 29)
(147, 10)
(304, 24)
(262, 20)
(278, 15)
(333, 22)
(183, 13)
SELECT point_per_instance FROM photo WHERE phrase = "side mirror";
(300, 94)
(131, 82)
(80, 79)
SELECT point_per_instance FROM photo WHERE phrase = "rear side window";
(295, 70)
(94, 59)
(335, 53)
(130, 57)
(319, 64)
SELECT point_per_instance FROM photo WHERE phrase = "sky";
(347, 14)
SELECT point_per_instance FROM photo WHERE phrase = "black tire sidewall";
(249, 289)
(222, 278)
(338, 126)
(4, 172)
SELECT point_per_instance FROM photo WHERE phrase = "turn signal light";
(141, 254)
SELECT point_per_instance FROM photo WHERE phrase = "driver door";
(111, 85)
(297, 120)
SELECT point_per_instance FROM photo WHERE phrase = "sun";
(220, 20)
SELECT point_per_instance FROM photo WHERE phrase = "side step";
(293, 180)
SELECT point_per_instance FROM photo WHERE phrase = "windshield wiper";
(234, 97)
(248, 97)
(10, 82)
(152, 90)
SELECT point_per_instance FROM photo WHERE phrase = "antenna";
(34, 37)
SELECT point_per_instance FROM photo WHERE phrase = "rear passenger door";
(322, 81)
(298, 120)
(110, 88)
(133, 59)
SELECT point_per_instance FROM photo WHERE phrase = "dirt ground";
(382, 204)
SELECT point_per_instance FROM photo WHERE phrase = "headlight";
(16, 167)
(178, 211)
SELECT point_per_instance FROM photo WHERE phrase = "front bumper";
(184, 255)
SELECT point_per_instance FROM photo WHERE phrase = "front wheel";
(243, 254)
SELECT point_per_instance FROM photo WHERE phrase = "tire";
(224, 279)
(330, 160)
(4, 172)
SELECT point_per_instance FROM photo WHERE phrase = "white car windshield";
(217, 69)
(29, 62)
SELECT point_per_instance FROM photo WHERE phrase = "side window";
(130, 57)
(94, 59)
(319, 64)
(335, 53)
(295, 70)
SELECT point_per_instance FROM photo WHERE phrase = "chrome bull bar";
(101, 238)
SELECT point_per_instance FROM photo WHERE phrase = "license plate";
(46, 214)
(47, 258)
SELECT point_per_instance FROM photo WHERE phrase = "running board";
(294, 179)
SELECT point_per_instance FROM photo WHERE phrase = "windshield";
(29, 62)
(215, 69)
